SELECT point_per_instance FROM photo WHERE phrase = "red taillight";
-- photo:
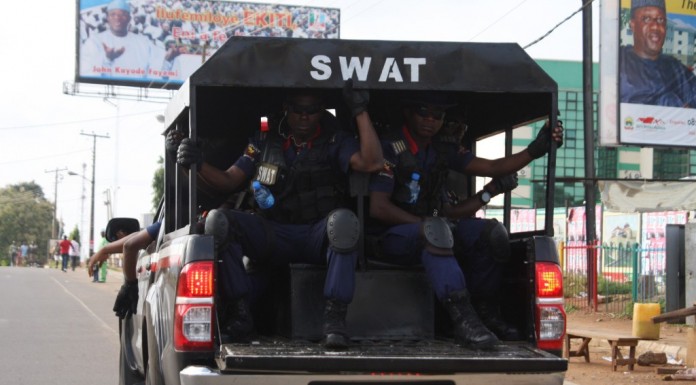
(196, 280)
(550, 314)
(549, 280)
(194, 315)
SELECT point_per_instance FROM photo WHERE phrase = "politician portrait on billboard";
(657, 85)
(160, 43)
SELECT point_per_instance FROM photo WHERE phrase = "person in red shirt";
(65, 246)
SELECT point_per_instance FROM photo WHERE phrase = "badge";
(267, 174)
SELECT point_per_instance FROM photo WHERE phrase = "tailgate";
(389, 356)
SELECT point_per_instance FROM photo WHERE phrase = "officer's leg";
(482, 248)
(334, 242)
(244, 234)
(430, 243)
(449, 285)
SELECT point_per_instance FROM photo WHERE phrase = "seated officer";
(411, 230)
(484, 245)
(304, 163)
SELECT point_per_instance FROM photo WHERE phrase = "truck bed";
(432, 356)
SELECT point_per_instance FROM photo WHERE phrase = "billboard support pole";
(588, 117)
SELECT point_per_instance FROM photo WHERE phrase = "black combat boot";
(238, 325)
(336, 337)
(488, 309)
(468, 328)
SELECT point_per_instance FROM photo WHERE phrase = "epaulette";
(398, 146)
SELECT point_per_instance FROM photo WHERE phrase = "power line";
(44, 157)
(588, 2)
(497, 20)
(74, 121)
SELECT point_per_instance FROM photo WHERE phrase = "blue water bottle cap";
(256, 184)
(415, 176)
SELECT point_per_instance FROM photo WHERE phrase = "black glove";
(505, 183)
(356, 100)
(126, 300)
(188, 154)
(541, 144)
(172, 140)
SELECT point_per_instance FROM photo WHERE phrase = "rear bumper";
(200, 375)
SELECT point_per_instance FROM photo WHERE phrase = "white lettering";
(355, 66)
(414, 62)
(390, 70)
(321, 63)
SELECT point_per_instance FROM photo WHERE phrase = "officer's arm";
(131, 247)
(469, 206)
(108, 249)
(498, 167)
(466, 208)
(513, 163)
(223, 181)
(369, 158)
(382, 209)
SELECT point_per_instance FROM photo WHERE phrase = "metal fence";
(625, 274)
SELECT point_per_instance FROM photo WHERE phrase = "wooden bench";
(615, 339)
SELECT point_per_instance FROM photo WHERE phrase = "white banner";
(657, 125)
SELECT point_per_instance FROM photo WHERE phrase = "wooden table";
(615, 339)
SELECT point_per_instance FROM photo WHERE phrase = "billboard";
(159, 44)
(656, 81)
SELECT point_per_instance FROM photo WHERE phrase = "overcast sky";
(40, 127)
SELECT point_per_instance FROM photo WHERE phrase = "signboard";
(656, 82)
(159, 44)
(653, 239)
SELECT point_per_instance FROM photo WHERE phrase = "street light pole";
(91, 209)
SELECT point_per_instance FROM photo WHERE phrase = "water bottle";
(264, 197)
(414, 187)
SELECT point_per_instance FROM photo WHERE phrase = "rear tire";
(126, 375)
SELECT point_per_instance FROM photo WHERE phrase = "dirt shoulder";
(599, 370)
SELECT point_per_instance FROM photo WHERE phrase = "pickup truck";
(399, 333)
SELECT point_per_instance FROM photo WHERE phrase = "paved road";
(57, 328)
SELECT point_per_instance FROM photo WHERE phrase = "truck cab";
(399, 332)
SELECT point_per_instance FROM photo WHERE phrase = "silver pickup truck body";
(400, 335)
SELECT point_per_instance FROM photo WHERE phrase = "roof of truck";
(496, 84)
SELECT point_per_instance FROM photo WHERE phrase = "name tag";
(267, 174)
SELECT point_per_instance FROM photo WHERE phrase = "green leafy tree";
(75, 234)
(158, 184)
(25, 216)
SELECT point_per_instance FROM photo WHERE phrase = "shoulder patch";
(387, 169)
(398, 146)
(252, 152)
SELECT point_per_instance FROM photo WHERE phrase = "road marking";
(101, 321)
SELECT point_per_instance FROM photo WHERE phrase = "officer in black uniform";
(417, 232)
(304, 162)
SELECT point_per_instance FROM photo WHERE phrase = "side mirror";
(120, 227)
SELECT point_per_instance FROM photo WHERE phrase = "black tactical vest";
(431, 183)
(307, 190)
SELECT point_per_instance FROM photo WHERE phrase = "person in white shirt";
(74, 253)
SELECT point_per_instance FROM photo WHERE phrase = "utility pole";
(588, 117)
(91, 213)
(55, 200)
